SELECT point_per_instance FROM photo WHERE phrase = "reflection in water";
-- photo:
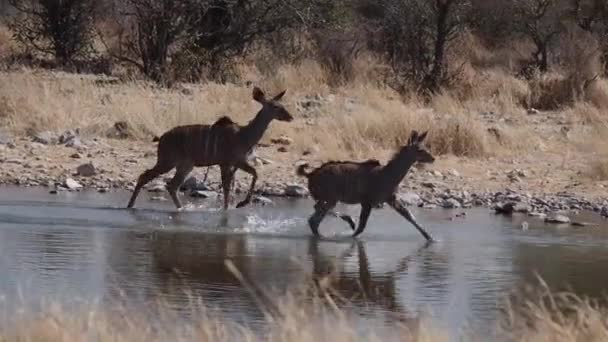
(94, 251)
(363, 287)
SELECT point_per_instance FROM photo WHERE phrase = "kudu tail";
(302, 170)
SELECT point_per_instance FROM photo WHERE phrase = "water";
(84, 246)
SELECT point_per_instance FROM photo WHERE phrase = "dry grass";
(352, 120)
(550, 316)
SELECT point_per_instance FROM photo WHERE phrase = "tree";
(415, 35)
(62, 28)
(541, 21)
(149, 29)
(195, 33)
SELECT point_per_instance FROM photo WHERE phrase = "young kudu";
(223, 143)
(367, 183)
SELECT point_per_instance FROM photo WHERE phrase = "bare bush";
(63, 29)
(540, 21)
(415, 36)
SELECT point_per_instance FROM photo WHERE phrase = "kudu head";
(415, 148)
(271, 107)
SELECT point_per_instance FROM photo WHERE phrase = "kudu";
(367, 183)
(223, 143)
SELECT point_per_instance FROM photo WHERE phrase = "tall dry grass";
(352, 120)
(550, 316)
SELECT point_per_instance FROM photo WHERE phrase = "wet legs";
(404, 211)
(145, 178)
(174, 184)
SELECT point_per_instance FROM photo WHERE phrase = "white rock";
(454, 173)
(72, 184)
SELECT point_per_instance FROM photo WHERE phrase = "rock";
(86, 170)
(604, 211)
(203, 194)
(437, 173)
(282, 140)
(45, 138)
(524, 226)
(282, 149)
(451, 203)
(192, 183)
(75, 142)
(75, 156)
(454, 173)
(68, 135)
(533, 111)
(53, 192)
(557, 218)
(102, 190)
(295, 190)
(410, 198)
(511, 207)
(262, 200)
(71, 184)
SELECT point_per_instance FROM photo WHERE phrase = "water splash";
(257, 224)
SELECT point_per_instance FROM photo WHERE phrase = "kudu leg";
(227, 173)
(366, 209)
(346, 218)
(250, 170)
(404, 211)
(321, 210)
(145, 178)
(174, 184)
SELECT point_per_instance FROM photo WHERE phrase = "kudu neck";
(396, 169)
(254, 130)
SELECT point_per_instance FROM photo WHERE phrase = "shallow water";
(85, 246)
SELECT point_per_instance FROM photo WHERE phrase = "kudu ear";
(279, 96)
(258, 95)
(413, 138)
(422, 137)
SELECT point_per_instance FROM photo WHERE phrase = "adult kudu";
(224, 143)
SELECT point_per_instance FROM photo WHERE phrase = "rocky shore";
(69, 162)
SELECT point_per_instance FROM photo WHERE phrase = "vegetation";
(390, 65)
(550, 317)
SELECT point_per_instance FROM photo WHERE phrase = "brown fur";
(367, 183)
(223, 143)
